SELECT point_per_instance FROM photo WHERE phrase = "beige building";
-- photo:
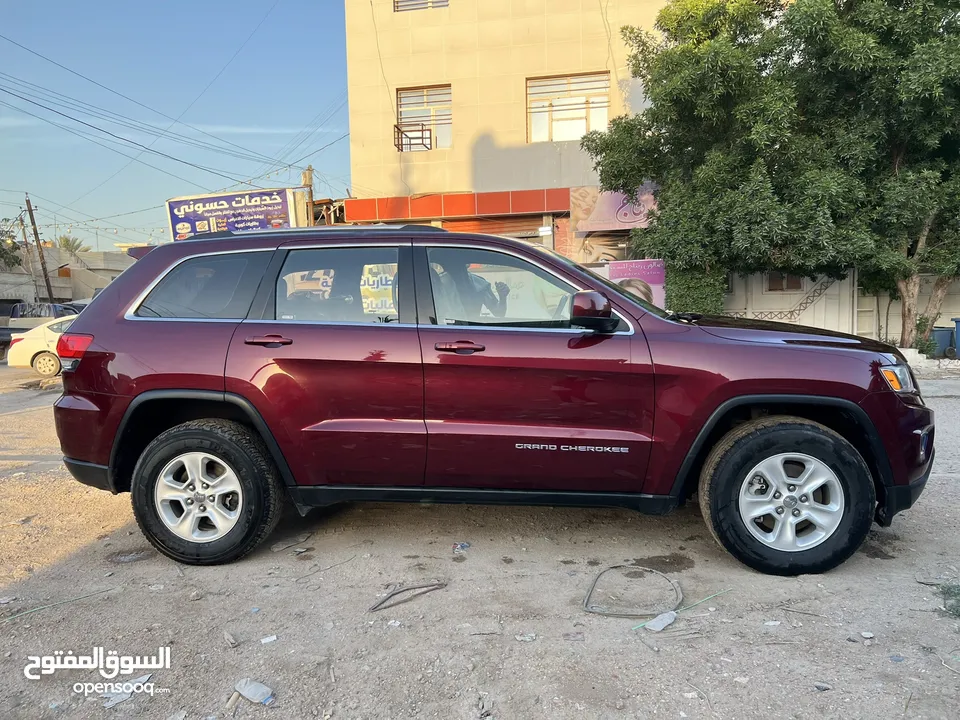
(482, 97)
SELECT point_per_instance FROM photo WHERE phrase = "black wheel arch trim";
(256, 419)
(861, 416)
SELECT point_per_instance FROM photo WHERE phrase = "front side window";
(219, 287)
(487, 288)
(354, 285)
(424, 119)
(567, 108)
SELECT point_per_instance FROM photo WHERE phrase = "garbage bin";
(943, 337)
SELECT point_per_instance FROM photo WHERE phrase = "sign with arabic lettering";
(237, 212)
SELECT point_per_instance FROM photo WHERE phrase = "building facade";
(469, 113)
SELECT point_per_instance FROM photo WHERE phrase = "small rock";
(529, 637)
(772, 623)
(868, 643)
(254, 610)
(328, 625)
(853, 639)
(156, 587)
(691, 696)
(661, 621)
(25, 520)
(299, 551)
(742, 680)
(196, 595)
(7, 600)
(268, 639)
(181, 715)
(897, 658)
(573, 636)
(712, 609)
(867, 635)
(231, 640)
(822, 686)
(394, 623)
(108, 574)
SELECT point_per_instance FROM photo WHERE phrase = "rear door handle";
(268, 340)
(460, 347)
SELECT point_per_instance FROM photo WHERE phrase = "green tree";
(9, 250)
(805, 137)
(71, 244)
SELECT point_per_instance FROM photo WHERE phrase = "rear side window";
(219, 287)
(354, 285)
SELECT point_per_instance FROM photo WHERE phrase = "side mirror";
(591, 310)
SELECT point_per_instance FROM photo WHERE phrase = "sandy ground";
(754, 652)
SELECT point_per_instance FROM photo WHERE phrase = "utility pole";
(306, 180)
(43, 260)
(26, 250)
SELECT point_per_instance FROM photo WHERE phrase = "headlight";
(899, 378)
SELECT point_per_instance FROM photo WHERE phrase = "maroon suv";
(412, 364)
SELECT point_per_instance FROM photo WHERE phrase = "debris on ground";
(399, 590)
(115, 698)
(231, 640)
(951, 597)
(692, 605)
(7, 600)
(631, 612)
(742, 680)
(255, 692)
(897, 658)
(156, 587)
(289, 543)
(866, 635)
(268, 639)
(661, 621)
(232, 702)
(573, 636)
(460, 547)
(772, 623)
(822, 686)
(181, 715)
(691, 696)
(529, 637)
(124, 558)
(394, 623)
(196, 595)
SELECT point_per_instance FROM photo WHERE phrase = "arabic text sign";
(109, 663)
(595, 211)
(237, 212)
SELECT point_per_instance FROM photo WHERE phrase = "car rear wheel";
(787, 496)
(206, 492)
(46, 364)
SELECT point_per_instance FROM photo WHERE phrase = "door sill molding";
(310, 496)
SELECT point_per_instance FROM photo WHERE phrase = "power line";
(117, 93)
(192, 102)
(127, 140)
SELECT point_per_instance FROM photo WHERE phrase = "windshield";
(617, 290)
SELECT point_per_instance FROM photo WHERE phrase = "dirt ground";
(506, 638)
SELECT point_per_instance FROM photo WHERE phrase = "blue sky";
(290, 76)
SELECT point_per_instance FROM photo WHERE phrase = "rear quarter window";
(219, 287)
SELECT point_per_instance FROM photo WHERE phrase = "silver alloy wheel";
(46, 364)
(198, 497)
(791, 502)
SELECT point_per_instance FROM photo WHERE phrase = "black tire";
(46, 364)
(262, 490)
(737, 453)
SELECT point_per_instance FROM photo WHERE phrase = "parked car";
(37, 348)
(23, 316)
(412, 364)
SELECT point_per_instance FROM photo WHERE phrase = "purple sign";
(237, 212)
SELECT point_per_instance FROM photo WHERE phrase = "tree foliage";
(9, 249)
(71, 244)
(806, 137)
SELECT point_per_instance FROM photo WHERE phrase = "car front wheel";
(206, 492)
(787, 496)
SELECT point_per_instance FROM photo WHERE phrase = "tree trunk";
(886, 319)
(940, 287)
(909, 290)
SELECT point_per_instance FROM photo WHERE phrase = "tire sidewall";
(43, 374)
(147, 473)
(842, 458)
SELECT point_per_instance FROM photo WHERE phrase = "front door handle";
(460, 347)
(268, 340)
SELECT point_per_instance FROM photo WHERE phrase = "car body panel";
(31, 343)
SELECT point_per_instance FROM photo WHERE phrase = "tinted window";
(481, 287)
(61, 327)
(339, 285)
(215, 286)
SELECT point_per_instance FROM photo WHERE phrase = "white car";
(37, 348)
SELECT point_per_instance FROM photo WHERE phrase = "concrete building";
(469, 113)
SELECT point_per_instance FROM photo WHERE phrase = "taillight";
(14, 341)
(71, 347)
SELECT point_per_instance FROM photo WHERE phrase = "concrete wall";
(485, 50)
